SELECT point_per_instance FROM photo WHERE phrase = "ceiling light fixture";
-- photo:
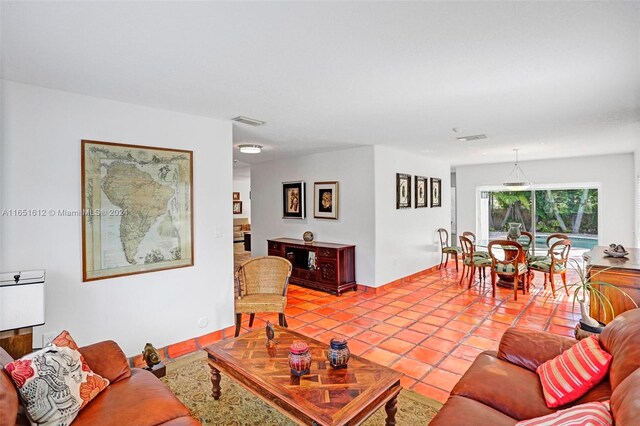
(247, 120)
(250, 149)
(471, 138)
(520, 180)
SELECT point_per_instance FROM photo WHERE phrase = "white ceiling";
(554, 79)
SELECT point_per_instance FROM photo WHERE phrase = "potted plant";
(584, 288)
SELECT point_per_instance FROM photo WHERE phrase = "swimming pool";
(576, 241)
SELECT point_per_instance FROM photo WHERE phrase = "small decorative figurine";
(271, 333)
(150, 355)
(338, 353)
(308, 237)
(299, 358)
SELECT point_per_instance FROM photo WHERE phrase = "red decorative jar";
(299, 358)
(338, 353)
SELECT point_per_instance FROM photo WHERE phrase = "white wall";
(243, 186)
(41, 169)
(613, 174)
(407, 239)
(637, 191)
(353, 170)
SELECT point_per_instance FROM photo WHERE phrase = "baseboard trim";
(400, 281)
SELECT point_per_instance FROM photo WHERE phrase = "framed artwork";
(436, 192)
(237, 207)
(236, 196)
(293, 197)
(325, 200)
(137, 204)
(403, 191)
(421, 191)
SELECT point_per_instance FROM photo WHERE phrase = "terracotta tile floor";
(431, 330)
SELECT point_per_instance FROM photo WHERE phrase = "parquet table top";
(325, 396)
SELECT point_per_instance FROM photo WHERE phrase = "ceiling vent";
(471, 138)
(247, 120)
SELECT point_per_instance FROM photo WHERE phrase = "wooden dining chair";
(511, 263)
(555, 263)
(470, 235)
(526, 241)
(261, 286)
(446, 249)
(471, 261)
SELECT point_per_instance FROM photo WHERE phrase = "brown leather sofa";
(134, 397)
(503, 388)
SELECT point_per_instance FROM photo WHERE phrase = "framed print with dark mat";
(293, 200)
(421, 189)
(237, 207)
(325, 200)
(236, 196)
(436, 192)
(403, 191)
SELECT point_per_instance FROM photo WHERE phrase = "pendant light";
(517, 180)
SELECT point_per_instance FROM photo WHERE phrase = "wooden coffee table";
(323, 397)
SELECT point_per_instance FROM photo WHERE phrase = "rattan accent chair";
(261, 286)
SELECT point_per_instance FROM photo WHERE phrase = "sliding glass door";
(573, 212)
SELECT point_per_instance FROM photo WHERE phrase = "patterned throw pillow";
(571, 374)
(590, 414)
(55, 383)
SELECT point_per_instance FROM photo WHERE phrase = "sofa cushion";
(589, 414)
(625, 400)
(510, 389)
(55, 384)
(107, 359)
(140, 400)
(461, 411)
(621, 338)
(530, 348)
(571, 374)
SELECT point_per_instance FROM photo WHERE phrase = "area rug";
(189, 379)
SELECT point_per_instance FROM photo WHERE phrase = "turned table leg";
(215, 381)
(391, 408)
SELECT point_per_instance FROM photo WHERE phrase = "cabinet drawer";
(272, 245)
(275, 253)
(328, 253)
(304, 274)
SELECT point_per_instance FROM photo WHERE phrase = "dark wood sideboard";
(333, 270)
(624, 273)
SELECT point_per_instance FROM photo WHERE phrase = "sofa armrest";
(529, 349)
(107, 359)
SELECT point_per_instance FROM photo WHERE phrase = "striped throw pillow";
(590, 414)
(571, 374)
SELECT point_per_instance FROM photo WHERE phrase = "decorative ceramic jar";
(308, 237)
(514, 231)
(299, 358)
(338, 353)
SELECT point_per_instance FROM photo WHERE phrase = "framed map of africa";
(137, 209)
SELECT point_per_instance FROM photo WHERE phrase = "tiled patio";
(430, 329)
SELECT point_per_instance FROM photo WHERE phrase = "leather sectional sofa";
(502, 388)
(134, 397)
